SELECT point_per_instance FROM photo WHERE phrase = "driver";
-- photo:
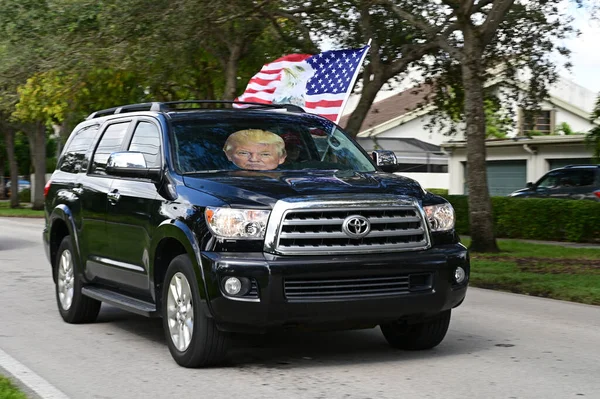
(255, 149)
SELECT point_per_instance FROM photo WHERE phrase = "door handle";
(113, 196)
(78, 189)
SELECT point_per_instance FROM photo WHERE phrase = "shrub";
(536, 218)
(25, 195)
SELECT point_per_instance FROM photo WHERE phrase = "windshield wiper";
(205, 171)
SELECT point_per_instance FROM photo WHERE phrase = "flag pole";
(339, 116)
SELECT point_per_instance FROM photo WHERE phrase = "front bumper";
(275, 309)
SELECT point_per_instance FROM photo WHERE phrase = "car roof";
(192, 106)
(583, 166)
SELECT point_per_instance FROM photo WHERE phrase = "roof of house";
(552, 139)
(392, 107)
(397, 144)
(410, 104)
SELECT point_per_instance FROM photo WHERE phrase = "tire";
(73, 306)
(181, 311)
(421, 336)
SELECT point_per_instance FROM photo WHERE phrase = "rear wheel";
(73, 306)
(192, 337)
(420, 336)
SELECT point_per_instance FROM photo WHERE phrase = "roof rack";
(172, 106)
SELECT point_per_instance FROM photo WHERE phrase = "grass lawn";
(23, 211)
(9, 391)
(571, 274)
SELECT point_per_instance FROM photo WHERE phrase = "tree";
(9, 141)
(182, 53)
(25, 46)
(593, 136)
(487, 37)
(395, 44)
(2, 166)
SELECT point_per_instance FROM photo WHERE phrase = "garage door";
(561, 163)
(504, 177)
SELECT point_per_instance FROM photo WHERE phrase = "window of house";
(542, 123)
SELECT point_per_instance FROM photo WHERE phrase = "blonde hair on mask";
(254, 136)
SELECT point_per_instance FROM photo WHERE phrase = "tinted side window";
(586, 178)
(576, 178)
(551, 180)
(73, 159)
(146, 139)
(110, 142)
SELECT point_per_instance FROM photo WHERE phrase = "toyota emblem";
(356, 226)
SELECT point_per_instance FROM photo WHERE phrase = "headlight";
(237, 223)
(440, 217)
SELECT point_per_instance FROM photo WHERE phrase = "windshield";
(264, 142)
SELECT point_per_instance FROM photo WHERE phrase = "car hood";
(519, 192)
(256, 188)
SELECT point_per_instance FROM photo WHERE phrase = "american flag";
(319, 83)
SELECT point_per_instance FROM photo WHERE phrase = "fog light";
(233, 286)
(459, 275)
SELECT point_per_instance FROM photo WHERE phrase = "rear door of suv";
(94, 187)
(577, 183)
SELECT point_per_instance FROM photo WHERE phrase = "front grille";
(302, 290)
(253, 293)
(311, 231)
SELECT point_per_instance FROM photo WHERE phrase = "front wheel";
(420, 336)
(74, 307)
(192, 337)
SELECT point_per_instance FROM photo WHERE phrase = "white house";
(395, 123)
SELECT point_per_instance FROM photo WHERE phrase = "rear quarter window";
(74, 159)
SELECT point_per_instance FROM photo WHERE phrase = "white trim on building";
(537, 152)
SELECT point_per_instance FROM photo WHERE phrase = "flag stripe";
(259, 86)
(260, 95)
(252, 91)
(324, 103)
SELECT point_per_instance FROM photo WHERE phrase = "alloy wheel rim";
(180, 311)
(66, 280)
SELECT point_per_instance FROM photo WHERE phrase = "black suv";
(242, 220)
(570, 182)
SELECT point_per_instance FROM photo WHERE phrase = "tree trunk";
(364, 104)
(2, 186)
(9, 136)
(480, 208)
(37, 142)
(231, 70)
(2, 162)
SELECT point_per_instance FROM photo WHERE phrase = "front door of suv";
(94, 187)
(132, 209)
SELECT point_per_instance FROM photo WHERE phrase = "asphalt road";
(498, 346)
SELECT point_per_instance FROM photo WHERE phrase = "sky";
(585, 55)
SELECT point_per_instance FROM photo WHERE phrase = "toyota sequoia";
(246, 219)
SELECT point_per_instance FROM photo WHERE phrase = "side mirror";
(385, 160)
(529, 185)
(130, 164)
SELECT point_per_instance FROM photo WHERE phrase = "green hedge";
(439, 191)
(537, 218)
(25, 195)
